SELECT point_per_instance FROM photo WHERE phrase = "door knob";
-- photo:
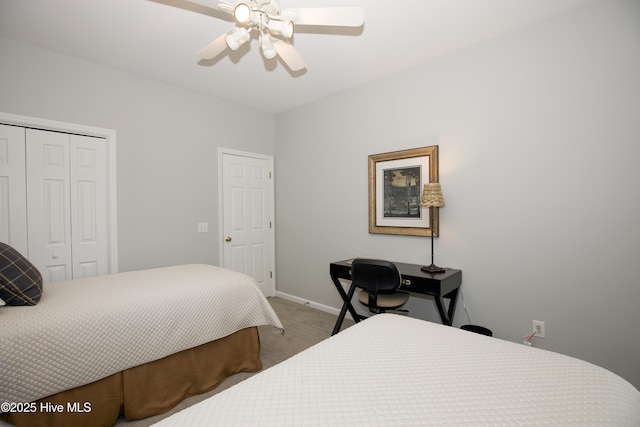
(55, 255)
(228, 239)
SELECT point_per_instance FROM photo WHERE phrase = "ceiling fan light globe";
(237, 37)
(242, 13)
(281, 28)
(289, 32)
(268, 50)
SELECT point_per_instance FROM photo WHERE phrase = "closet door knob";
(228, 239)
(55, 255)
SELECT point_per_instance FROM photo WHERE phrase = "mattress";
(84, 330)
(400, 371)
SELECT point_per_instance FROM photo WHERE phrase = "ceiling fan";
(274, 27)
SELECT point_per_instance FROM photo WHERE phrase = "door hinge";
(269, 174)
(270, 225)
(271, 274)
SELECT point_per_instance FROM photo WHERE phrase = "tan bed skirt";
(149, 389)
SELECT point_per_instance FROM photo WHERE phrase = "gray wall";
(539, 137)
(167, 142)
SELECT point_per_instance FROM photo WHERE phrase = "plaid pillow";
(20, 281)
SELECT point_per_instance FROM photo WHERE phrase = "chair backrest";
(375, 275)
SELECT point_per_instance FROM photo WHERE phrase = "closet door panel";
(13, 192)
(89, 206)
(49, 203)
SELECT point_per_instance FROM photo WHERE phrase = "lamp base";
(432, 269)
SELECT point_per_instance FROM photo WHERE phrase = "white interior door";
(89, 240)
(247, 217)
(13, 192)
(67, 203)
(91, 174)
(49, 202)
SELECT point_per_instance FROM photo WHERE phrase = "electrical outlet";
(203, 227)
(538, 327)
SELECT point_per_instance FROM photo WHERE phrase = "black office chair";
(379, 281)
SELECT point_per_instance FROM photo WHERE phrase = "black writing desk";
(439, 286)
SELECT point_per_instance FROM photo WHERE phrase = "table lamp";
(432, 198)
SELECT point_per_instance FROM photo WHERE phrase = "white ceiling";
(159, 39)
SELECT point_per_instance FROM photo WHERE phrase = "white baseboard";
(312, 304)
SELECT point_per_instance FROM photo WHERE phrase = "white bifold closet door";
(67, 204)
(13, 191)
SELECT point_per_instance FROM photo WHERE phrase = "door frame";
(110, 137)
(272, 231)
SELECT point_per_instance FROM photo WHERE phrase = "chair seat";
(385, 301)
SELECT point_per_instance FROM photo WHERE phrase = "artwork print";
(402, 192)
(396, 180)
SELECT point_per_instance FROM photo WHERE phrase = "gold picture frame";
(395, 189)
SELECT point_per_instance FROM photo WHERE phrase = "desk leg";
(447, 316)
(346, 297)
(453, 295)
(444, 316)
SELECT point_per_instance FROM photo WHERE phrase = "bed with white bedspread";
(86, 329)
(400, 371)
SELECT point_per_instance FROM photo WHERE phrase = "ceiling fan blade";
(330, 16)
(289, 55)
(226, 7)
(214, 48)
(215, 5)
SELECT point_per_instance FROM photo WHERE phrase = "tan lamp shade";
(432, 196)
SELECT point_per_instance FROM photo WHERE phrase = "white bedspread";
(396, 371)
(86, 329)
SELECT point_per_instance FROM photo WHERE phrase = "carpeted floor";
(304, 326)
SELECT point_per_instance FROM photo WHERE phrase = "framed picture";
(395, 189)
